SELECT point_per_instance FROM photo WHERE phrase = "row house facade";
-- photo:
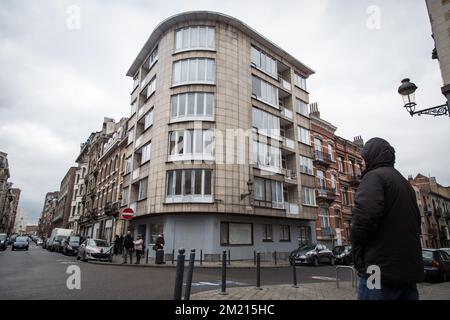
(103, 157)
(337, 165)
(434, 205)
(45, 225)
(63, 208)
(219, 120)
(9, 197)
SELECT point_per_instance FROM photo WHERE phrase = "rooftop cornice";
(213, 16)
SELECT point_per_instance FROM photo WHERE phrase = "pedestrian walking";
(116, 244)
(128, 247)
(159, 243)
(385, 229)
(138, 248)
(121, 239)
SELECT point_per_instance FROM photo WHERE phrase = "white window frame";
(188, 32)
(259, 120)
(175, 104)
(302, 107)
(171, 197)
(193, 155)
(148, 119)
(257, 63)
(306, 163)
(300, 81)
(146, 151)
(304, 136)
(190, 61)
(308, 197)
(265, 96)
(143, 185)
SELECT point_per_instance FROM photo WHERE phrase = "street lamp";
(407, 90)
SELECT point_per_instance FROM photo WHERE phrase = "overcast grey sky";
(57, 83)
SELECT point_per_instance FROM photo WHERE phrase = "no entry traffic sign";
(127, 214)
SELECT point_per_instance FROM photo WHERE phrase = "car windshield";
(307, 247)
(98, 243)
(21, 239)
(74, 239)
(2, 236)
(338, 250)
(427, 254)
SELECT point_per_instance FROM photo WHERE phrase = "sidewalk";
(117, 261)
(312, 291)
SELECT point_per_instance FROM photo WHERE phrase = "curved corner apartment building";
(219, 149)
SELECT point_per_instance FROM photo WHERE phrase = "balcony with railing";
(291, 208)
(290, 176)
(285, 112)
(322, 159)
(325, 195)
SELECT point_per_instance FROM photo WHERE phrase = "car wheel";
(444, 277)
(315, 262)
(332, 262)
(84, 257)
(78, 257)
(27, 248)
(12, 248)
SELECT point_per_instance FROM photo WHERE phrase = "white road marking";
(323, 278)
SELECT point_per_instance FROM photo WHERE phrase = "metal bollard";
(275, 257)
(224, 273)
(173, 255)
(187, 293)
(258, 271)
(146, 256)
(294, 275)
(254, 257)
(201, 256)
(229, 257)
(179, 275)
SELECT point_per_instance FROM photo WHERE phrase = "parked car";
(343, 255)
(39, 242)
(47, 244)
(312, 254)
(71, 245)
(20, 243)
(56, 236)
(12, 239)
(58, 243)
(95, 249)
(3, 241)
(447, 250)
(436, 264)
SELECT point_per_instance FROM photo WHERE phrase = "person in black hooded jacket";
(385, 229)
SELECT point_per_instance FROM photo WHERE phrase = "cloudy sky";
(57, 82)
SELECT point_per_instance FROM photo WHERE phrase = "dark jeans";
(386, 292)
(138, 256)
(127, 252)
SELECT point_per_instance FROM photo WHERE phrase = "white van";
(58, 235)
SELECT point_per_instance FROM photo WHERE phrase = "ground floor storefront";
(215, 233)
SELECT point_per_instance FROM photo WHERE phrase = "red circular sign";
(127, 214)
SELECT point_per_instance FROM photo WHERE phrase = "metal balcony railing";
(323, 158)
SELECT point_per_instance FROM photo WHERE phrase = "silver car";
(95, 249)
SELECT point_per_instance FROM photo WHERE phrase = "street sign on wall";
(127, 214)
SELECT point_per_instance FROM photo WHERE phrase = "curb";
(196, 266)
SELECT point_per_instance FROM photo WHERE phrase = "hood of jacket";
(378, 153)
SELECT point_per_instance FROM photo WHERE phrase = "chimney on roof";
(314, 110)
(359, 141)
